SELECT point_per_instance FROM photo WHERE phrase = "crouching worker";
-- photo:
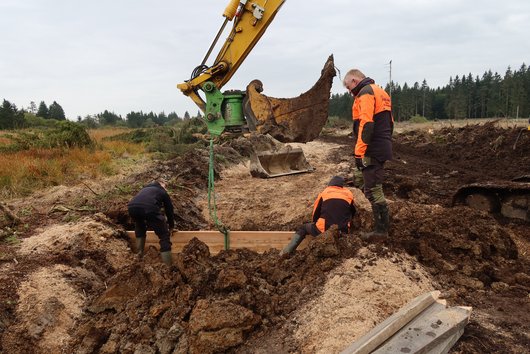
(333, 206)
(145, 210)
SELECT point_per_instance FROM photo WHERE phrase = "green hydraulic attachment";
(223, 111)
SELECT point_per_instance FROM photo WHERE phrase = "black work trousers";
(154, 221)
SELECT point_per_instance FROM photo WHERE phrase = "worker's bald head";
(353, 74)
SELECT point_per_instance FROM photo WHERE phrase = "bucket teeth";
(276, 159)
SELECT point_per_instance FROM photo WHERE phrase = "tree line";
(465, 96)
(12, 117)
(134, 119)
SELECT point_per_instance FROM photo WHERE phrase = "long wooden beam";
(258, 241)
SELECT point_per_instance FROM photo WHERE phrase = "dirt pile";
(359, 293)
(93, 234)
(429, 166)
(63, 266)
(210, 304)
(205, 304)
(503, 152)
(73, 286)
(464, 248)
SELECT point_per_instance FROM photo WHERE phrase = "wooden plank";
(380, 333)
(258, 241)
(433, 332)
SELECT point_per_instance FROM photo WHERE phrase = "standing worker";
(373, 127)
(145, 210)
(333, 206)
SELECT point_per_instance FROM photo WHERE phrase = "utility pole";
(390, 84)
(423, 109)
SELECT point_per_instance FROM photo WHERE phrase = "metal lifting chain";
(212, 207)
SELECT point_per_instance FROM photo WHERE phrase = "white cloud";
(129, 55)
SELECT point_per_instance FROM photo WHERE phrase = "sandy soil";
(247, 203)
(72, 284)
(357, 295)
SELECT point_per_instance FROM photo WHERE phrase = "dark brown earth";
(233, 301)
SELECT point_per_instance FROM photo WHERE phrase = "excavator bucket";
(298, 119)
(269, 164)
(281, 120)
(271, 158)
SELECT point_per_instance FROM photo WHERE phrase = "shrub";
(172, 140)
(65, 134)
(337, 122)
(418, 119)
(32, 121)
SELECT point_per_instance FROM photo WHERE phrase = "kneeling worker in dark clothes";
(333, 206)
(145, 210)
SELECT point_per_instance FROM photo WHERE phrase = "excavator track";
(509, 198)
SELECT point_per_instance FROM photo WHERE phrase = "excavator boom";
(251, 19)
(246, 32)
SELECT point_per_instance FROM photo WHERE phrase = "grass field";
(25, 171)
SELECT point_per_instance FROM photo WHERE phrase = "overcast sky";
(128, 55)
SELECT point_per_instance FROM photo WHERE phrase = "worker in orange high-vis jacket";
(373, 127)
(333, 206)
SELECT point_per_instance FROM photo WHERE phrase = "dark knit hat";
(336, 181)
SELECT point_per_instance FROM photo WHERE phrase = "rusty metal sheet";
(298, 119)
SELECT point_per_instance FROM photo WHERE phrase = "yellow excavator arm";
(250, 20)
(297, 119)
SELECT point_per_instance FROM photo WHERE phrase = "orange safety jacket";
(333, 206)
(373, 121)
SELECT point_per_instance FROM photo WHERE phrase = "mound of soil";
(72, 284)
(430, 165)
(209, 304)
(59, 268)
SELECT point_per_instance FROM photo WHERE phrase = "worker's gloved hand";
(360, 163)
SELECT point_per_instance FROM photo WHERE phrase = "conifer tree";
(56, 112)
(43, 110)
(10, 116)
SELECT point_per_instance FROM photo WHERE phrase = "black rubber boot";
(296, 240)
(385, 218)
(166, 257)
(381, 224)
(140, 246)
